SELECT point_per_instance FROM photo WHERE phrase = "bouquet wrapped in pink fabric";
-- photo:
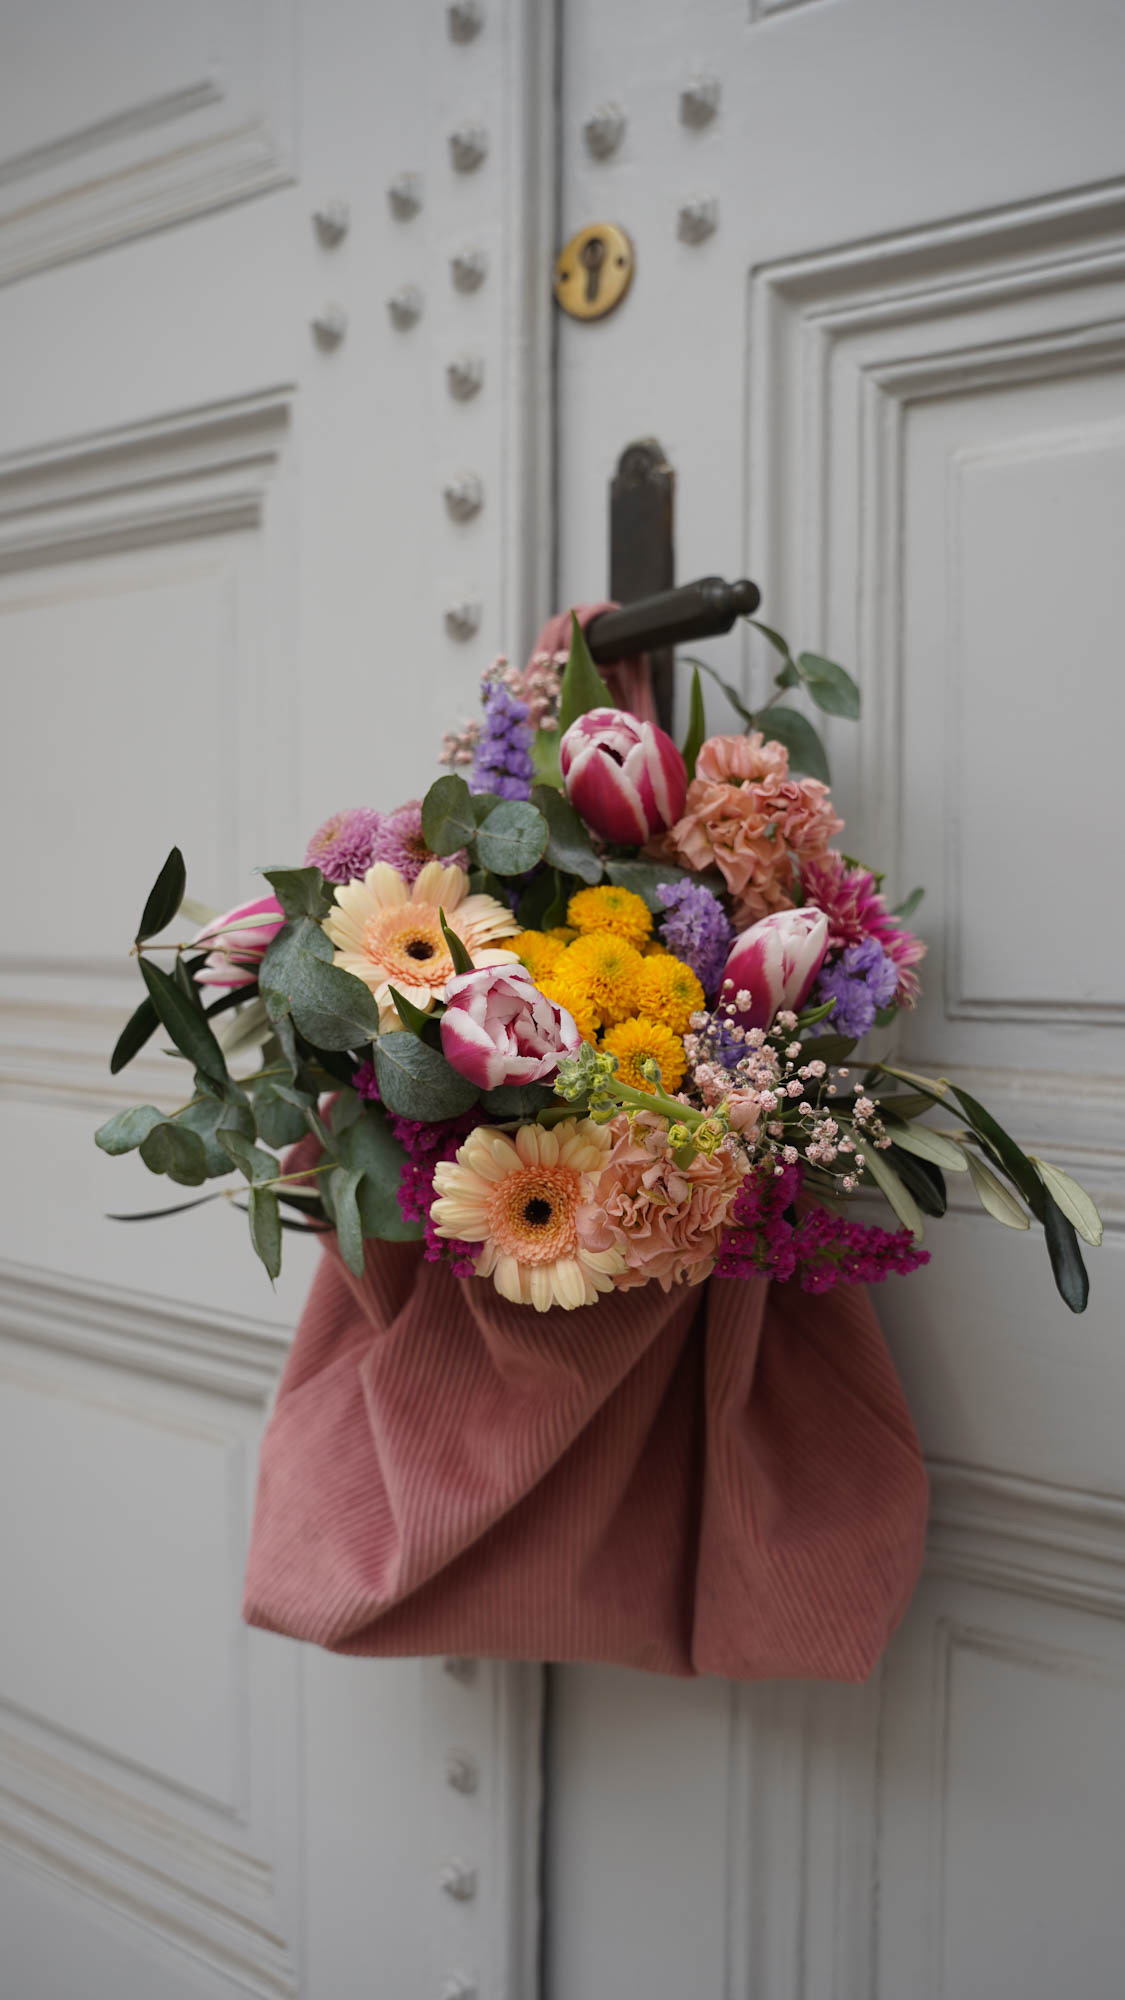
(568, 1043)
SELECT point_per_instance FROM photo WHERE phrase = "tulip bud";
(624, 777)
(776, 962)
(498, 1028)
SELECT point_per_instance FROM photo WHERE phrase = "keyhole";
(593, 257)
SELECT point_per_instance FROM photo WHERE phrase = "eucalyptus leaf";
(139, 1028)
(252, 1161)
(569, 847)
(994, 1196)
(513, 838)
(899, 1197)
(170, 1149)
(458, 949)
(415, 1081)
(482, 804)
(330, 1007)
(927, 1144)
(806, 751)
(302, 892)
(448, 820)
(732, 694)
(1066, 1258)
(265, 1228)
(517, 1100)
(343, 1185)
(164, 898)
(370, 1148)
(206, 1118)
(187, 1027)
(582, 687)
(831, 686)
(1072, 1199)
(697, 724)
(279, 1112)
(779, 644)
(124, 1133)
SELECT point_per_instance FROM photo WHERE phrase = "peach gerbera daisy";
(527, 1199)
(388, 932)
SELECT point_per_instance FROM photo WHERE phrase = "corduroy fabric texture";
(721, 1480)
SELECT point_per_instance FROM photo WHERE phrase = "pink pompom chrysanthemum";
(344, 847)
(399, 840)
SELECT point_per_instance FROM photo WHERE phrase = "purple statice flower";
(399, 841)
(861, 980)
(344, 847)
(697, 930)
(503, 753)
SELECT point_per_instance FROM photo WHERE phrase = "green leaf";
(1071, 1197)
(537, 898)
(169, 1149)
(513, 838)
(174, 1208)
(809, 1017)
(330, 1007)
(933, 1087)
(908, 1104)
(582, 687)
(182, 973)
(416, 1082)
(302, 892)
(252, 1161)
(124, 1133)
(187, 1027)
(482, 804)
(789, 726)
(995, 1197)
(927, 1144)
(827, 1048)
(545, 758)
(141, 1024)
(903, 1203)
(831, 686)
(697, 724)
(411, 1016)
(1012, 1157)
(517, 1100)
(165, 897)
(908, 904)
(645, 877)
(342, 1191)
(448, 820)
(568, 848)
(1066, 1258)
(732, 694)
(922, 1178)
(206, 1118)
(278, 1112)
(458, 950)
(779, 644)
(265, 1228)
(370, 1148)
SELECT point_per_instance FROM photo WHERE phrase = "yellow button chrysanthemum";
(634, 1041)
(668, 991)
(571, 994)
(610, 909)
(536, 951)
(607, 968)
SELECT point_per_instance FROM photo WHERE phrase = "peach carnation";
(735, 759)
(746, 816)
(668, 1220)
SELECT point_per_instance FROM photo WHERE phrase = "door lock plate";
(593, 273)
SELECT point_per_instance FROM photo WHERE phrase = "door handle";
(698, 610)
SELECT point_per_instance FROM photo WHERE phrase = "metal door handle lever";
(696, 610)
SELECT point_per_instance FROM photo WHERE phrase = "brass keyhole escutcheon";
(593, 273)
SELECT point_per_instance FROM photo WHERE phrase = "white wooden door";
(233, 597)
(877, 325)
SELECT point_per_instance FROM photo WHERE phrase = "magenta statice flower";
(765, 1239)
(424, 1145)
(503, 753)
(862, 980)
(697, 930)
(344, 847)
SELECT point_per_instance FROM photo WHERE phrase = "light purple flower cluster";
(502, 763)
(424, 1145)
(344, 847)
(863, 979)
(696, 930)
(399, 840)
(820, 1250)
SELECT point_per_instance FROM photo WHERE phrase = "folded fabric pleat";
(718, 1480)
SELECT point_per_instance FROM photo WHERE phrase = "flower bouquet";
(549, 1049)
(581, 1020)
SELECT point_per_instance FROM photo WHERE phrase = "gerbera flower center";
(531, 1214)
(406, 943)
(420, 948)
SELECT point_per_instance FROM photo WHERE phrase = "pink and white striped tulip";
(498, 1028)
(624, 777)
(237, 954)
(776, 962)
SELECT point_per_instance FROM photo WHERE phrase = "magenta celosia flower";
(344, 847)
(850, 899)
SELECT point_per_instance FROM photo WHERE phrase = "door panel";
(889, 382)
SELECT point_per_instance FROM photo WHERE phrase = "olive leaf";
(164, 898)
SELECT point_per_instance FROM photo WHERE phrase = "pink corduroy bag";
(721, 1480)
